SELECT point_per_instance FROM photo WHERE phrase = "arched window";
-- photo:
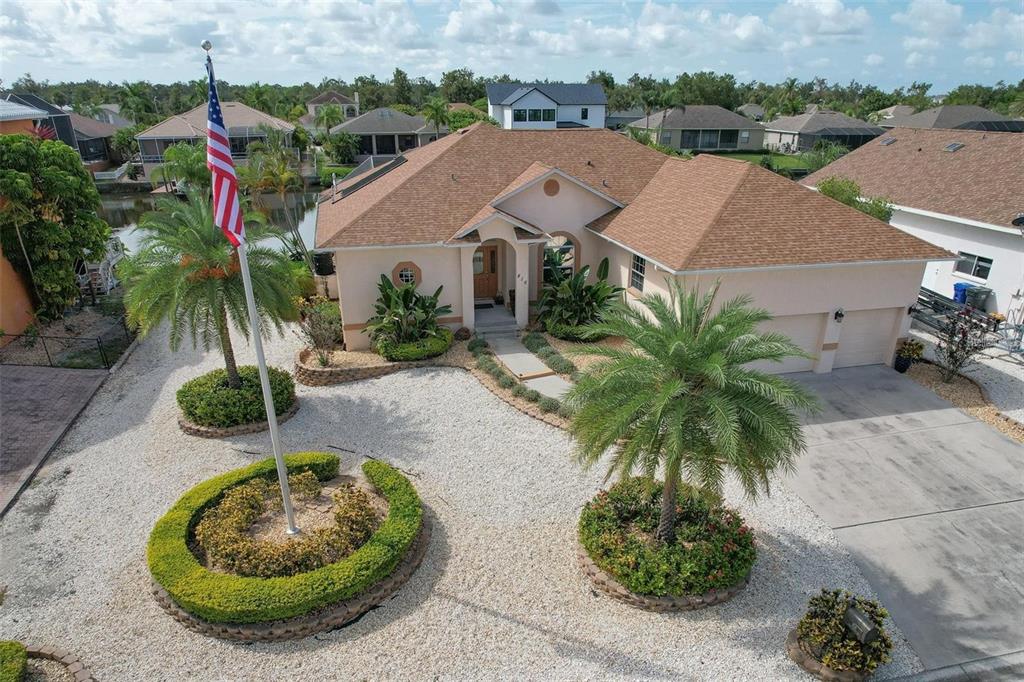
(406, 272)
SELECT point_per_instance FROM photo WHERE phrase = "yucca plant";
(402, 314)
(570, 301)
(681, 397)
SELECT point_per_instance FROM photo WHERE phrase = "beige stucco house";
(475, 211)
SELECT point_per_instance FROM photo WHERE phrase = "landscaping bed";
(968, 396)
(218, 577)
(210, 408)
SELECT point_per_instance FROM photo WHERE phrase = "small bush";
(545, 352)
(476, 344)
(507, 381)
(532, 395)
(561, 365)
(207, 400)
(565, 412)
(713, 548)
(534, 342)
(567, 332)
(429, 347)
(13, 661)
(519, 390)
(548, 404)
(320, 327)
(462, 334)
(823, 631)
(326, 173)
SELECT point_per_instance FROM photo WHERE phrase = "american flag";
(226, 213)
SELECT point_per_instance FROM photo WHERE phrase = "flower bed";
(215, 602)
(709, 561)
(430, 347)
(208, 401)
(824, 646)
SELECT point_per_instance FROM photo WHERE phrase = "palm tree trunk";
(667, 521)
(234, 381)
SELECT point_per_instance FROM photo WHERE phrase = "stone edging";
(799, 655)
(193, 429)
(328, 618)
(70, 661)
(313, 375)
(614, 589)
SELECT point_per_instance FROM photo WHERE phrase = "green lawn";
(780, 160)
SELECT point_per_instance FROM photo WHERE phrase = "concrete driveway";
(930, 503)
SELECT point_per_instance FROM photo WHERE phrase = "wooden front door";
(485, 272)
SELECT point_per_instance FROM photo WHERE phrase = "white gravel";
(499, 595)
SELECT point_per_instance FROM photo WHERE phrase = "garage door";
(864, 337)
(805, 331)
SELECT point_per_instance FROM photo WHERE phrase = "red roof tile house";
(475, 211)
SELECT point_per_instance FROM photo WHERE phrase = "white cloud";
(1015, 57)
(918, 44)
(916, 59)
(979, 62)
(1002, 27)
(816, 19)
(932, 17)
(874, 59)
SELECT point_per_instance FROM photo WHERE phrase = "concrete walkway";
(526, 366)
(930, 503)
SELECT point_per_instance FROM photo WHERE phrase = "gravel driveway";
(499, 595)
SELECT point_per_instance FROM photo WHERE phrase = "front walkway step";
(552, 386)
(511, 352)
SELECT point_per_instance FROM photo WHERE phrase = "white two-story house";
(547, 105)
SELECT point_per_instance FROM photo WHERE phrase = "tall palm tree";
(136, 101)
(436, 112)
(328, 116)
(1016, 108)
(186, 272)
(682, 397)
(185, 164)
(668, 100)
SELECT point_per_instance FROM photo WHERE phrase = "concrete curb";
(995, 669)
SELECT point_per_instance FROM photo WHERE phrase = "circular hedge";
(209, 401)
(713, 549)
(225, 598)
(430, 347)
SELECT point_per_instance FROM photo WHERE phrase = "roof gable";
(192, 123)
(823, 123)
(331, 96)
(560, 93)
(383, 120)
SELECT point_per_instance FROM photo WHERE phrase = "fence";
(82, 352)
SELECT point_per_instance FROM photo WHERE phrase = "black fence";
(81, 352)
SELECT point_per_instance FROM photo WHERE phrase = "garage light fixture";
(840, 314)
(862, 627)
(912, 309)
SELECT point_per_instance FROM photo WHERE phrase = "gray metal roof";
(957, 116)
(385, 120)
(560, 93)
(36, 103)
(823, 123)
(696, 117)
(13, 111)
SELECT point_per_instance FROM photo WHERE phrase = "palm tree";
(328, 116)
(186, 272)
(1016, 109)
(683, 397)
(185, 164)
(668, 100)
(136, 101)
(436, 112)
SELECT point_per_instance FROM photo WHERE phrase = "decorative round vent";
(551, 187)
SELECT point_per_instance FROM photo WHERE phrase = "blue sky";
(291, 41)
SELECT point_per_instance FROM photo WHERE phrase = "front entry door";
(485, 272)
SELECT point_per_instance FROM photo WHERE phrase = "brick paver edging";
(193, 429)
(803, 658)
(75, 667)
(328, 618)
(614, 589)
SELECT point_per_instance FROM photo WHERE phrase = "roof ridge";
(726, 203)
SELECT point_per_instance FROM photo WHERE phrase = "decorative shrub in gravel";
(569, 333)
(207, 400)
(712, 550)
(539, 346)
(823, 634)
(430, 347)
(548, 404)
(13, 661)
(225, 598)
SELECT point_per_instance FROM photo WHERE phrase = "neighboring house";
(959, 189)
(17, 118)
(349, 107)
(883, 115)
(614, 120)
(56, 118)
(956, 117)
(547, 105)
(475, 212)
(111, 113)
(387, 132)
(802, 132)
(751, 110)
(245, 125)
(93, 141)
(702, 127)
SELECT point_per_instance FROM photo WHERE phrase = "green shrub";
(476, 344)
(823, 631)
(568, 300)
(565, 412)
(548, 404)
(545, 352)
(519, 390)
(507, 381)
(576, 334)
(320, 327)
(713, 548)
(13, 661)
(486, 363)
(539, 346)
(534, 342)
(532, 395)
(207, 400)
(326, 173)
(401, 314)
(561, 365)
(223, 598)
(430, 347)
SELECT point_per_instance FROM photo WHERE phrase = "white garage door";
(805, 331)
(864, 337)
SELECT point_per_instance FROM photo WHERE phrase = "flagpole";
(261, 365)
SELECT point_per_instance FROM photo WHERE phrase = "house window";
(972, 265)
(636, 272)
(709, 139)
(406, 272)
(478, 263)
(519, 114)
(406, 276)
(666, 138)
(584, 113)
(549, 114)
(744, 136)
(727, 139)
(536, 114)
(691, 139)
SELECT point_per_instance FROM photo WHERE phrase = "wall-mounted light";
(840, 314)
(912, 309)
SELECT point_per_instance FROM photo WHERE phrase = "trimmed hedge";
(430, 347)
(224, 598)
(13, 661)
(207, 400)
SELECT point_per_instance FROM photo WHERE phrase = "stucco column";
(522, 285)
(466, 268)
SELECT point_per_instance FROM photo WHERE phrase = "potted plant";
(841, 637)
(909, 352)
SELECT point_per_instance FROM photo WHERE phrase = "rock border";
(803, 658)
(607, 584)
(70, 661)
(314, 375)
(328, 618)
(193, 429)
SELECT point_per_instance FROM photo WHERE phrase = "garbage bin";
(977, 297)
(960, 291)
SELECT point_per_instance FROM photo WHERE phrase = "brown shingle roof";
(696, 116)
(331, 96)
(982, 181)
(707, 213)
(192, 123)
(90, 127)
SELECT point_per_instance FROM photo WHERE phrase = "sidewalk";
(527, 367)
